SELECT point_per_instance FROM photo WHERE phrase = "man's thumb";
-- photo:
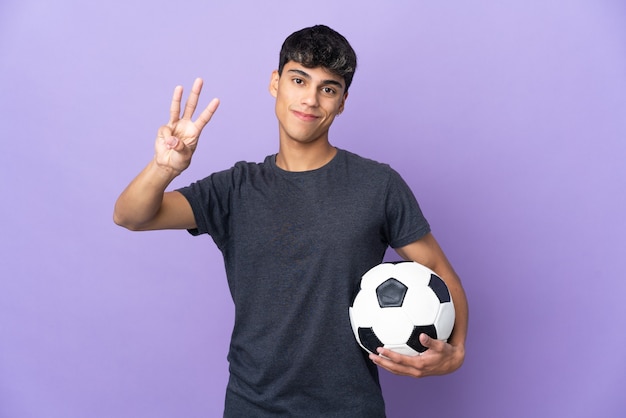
(174, 143)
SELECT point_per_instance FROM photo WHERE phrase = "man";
(297, 232)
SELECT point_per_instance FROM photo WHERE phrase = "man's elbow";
(125, 222)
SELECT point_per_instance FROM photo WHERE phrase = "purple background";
(508, 120)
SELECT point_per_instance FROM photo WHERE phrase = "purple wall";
(509, 122)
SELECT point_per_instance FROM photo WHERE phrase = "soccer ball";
(396, 303)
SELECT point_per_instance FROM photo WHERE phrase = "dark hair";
(320, 46)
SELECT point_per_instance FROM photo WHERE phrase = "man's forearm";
(141, 200)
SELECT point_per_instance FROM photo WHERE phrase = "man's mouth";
(307, 117)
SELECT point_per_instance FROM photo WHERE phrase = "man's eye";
(328, 90)
(298, 80)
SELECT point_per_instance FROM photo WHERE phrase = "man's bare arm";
(144, 204)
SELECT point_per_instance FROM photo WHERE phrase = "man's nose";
(309, 97)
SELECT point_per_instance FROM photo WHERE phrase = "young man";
(297, 232)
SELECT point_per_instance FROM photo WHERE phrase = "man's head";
(320, 46)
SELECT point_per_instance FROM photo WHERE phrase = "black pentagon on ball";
(391, 293)
(414, 339)
(369, 340)
(439, 287)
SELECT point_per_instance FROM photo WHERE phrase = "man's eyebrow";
(306, 75)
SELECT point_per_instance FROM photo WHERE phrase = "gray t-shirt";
(295, 246)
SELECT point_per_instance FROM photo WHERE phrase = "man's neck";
(305, 157)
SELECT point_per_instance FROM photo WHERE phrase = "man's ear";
(274, 83)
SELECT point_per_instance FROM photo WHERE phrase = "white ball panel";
(392, 326)
(412, 274)
(365, 308)
(445, 320)
(402, 349)
(421, 305)
(374, 277)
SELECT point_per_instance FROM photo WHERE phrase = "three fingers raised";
(191, 104)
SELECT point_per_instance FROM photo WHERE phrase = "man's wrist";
(163, 172)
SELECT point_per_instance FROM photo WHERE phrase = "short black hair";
(320, 46)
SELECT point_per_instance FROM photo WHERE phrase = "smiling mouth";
(307, 117)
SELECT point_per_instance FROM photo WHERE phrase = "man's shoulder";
(246, 168)
(358, 162)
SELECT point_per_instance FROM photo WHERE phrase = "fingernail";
(171, 142)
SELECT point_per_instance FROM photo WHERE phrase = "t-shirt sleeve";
(209, 199)
(405, 221)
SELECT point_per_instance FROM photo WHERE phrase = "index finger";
(398, 363)
(207, 114)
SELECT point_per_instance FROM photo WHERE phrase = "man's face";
(307, 101)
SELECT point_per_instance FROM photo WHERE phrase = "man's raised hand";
(177, 140)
